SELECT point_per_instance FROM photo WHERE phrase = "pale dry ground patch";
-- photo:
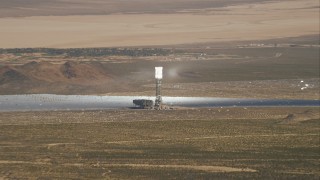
(263, 89)
(148, 166)
(202, 168)
(240, 22)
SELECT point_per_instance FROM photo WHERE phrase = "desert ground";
(286, 68)
(222, 143)
(187, 24)
(260, 49)
(208, 48)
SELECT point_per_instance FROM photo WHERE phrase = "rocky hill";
(37, 77)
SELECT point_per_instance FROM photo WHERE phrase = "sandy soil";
(148, 166)
(24, 8)
(240, 22)
(285, 115)
(215, 143)
(202, 168)
(225, 72)
(268, 89)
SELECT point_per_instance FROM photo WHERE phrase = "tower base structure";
(158, 101)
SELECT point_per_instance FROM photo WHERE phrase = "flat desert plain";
(181, 25)
(218, 143)
(216, 48)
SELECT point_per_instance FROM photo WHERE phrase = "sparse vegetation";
(199, 144)
(226, 71)
(89, 52)
(213, 48)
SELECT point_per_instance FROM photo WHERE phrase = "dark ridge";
(91, 52)
(11, 76)
(68, 70)
(30, 65)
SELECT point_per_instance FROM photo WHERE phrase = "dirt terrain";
(223, 143)
(276, 68)
(51, 73)
(23, 8)
(261, 49)
(175, 23)
(209, 48)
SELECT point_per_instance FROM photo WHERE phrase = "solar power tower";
(158, 76)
